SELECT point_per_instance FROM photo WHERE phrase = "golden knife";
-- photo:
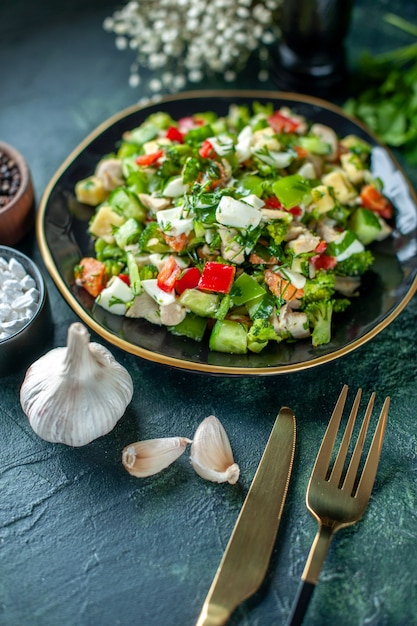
(247, 555)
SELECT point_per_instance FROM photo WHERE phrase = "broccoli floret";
(340, 305)
(260, 333)
(319, 316)
(356, 264)
(321, 287)
(152, 240)
(277, 231)
(113, 266)
(148, 271)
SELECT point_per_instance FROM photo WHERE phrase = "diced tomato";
(168, 275)
(125, 278)
(188, 123)
(188, 279)
(91, 274)
(321, 247)
(206, 150)
(217, 277)
(282, 124)
(273, 203)
(177, 242)
(173, 134)
(373, 199)
(301, 152)
(297, 211)
(149, 159)
(281, 287)
(323, 261)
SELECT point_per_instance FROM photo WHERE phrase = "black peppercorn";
(10, 179)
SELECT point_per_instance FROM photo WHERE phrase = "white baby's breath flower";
(193, 38)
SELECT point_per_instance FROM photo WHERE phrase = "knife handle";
(302, 600)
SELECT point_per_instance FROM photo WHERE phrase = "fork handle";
(311, 573)
(301, 602)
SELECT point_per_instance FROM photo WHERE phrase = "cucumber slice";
(200, 302)
(192, 326)
(315, 145)
(229, 336)
(366, 226)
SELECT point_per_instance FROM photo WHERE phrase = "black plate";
(63, 240)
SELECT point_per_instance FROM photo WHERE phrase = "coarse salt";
(19, 297)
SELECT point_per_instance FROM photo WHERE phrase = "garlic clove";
(77, 393)
(211, 454)
(145, 458)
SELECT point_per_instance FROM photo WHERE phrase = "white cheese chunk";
(254, 201)
(295, 278)
(238, 214)
(275, 159)
(158, 260)
(222, 144)
(115, 296)
(150, 285)
(175, 188)
(172, 223)
(243, 145)
(353, 248)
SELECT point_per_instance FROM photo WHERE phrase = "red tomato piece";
(91, 274)
(217, 277)
(168, 275)
(149, 159)
(321, 247)
(373, 199)
(177, 243)
(206, 150)
(188, 279)
(125, 278)
(297, 211)
(323, 261)
(173, 134)
(273, 203)
(188, 123)
(282, 124)
(301, 152)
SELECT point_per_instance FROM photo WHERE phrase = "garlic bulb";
(77, 393)
(211, 454)
(145, 458)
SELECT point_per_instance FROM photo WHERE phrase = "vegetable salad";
(244, 229)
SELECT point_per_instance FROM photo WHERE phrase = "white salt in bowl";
(25, 316)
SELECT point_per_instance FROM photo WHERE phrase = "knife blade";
(245, 561)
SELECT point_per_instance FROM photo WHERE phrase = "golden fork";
(334, 497)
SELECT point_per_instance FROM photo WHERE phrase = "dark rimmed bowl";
(24, 346)
(63, 238)
(17, 217)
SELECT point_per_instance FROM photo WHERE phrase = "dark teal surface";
(83, 543)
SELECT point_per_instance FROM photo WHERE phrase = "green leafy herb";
(386, 97)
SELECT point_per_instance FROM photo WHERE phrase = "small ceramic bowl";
(23, 340)
(17, 210)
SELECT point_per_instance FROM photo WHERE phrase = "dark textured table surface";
(83, 543)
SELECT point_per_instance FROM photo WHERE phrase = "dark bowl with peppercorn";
(17, 210)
